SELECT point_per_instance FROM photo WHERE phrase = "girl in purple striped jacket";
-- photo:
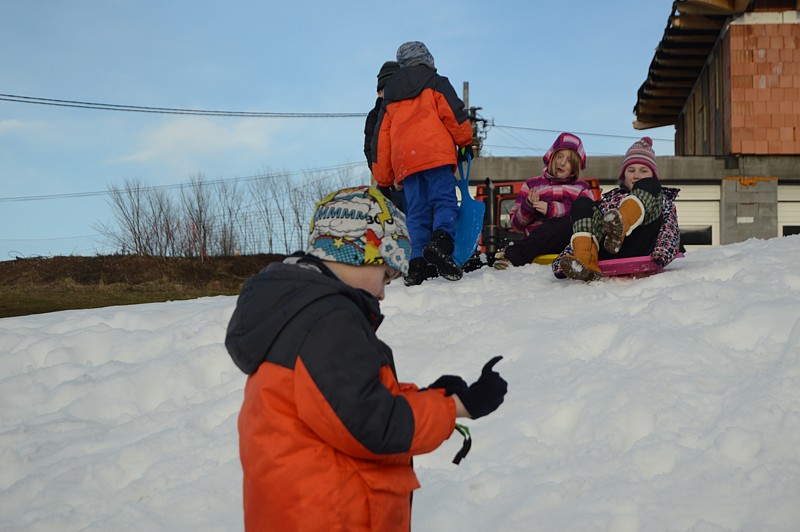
(543, 206)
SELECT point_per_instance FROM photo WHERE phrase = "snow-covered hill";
(665, 403)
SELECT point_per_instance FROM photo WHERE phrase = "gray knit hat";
(414, 53)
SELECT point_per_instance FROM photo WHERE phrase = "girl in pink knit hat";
(544, 203)
(635, 219)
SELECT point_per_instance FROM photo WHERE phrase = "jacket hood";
(408, 82)
(273, 297)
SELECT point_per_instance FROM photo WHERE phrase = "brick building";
(726, 74)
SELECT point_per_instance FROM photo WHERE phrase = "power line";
(70, 195)
(634, 137)
(169, 110)
(542, 150)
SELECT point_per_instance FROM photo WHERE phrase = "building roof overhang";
(692, 31)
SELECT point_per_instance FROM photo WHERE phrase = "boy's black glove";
(386, 191)
(450, 384)
(465, 153)
(485, 394)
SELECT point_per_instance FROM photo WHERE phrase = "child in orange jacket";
(326, 430)
(420, 124)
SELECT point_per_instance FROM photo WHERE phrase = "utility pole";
(477, 123)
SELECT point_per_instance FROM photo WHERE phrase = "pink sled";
(636, 266)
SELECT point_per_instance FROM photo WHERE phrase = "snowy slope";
(665, 403)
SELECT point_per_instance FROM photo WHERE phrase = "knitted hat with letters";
(414, 53)
(640, 152)
(360, 226)
(566, 141)
(386, 71)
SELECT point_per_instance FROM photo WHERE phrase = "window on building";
(791, 230)
(696, 235)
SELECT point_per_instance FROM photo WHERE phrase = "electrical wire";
(607, 135)
(71, 195)
(169, 110)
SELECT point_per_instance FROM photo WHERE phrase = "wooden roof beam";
(706, 7)
(658, 81)
(650, 110)
(697, 38)
(681, 62)
(649, 123)
(670, 49)
(662, 102)
(673, 73)
(696, 22)
(659, 92)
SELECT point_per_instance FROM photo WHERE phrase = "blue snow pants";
(431, 204)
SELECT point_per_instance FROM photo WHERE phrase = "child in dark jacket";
(544, 203)
(420, 124)
(635, 219)
(326, 430)
(386, 71)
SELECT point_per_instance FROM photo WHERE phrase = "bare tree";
(280, 188)
(262, 207)
(163, 223)
(228, 222)
(272, 215)
(196, 202)
(127, 204)
(299, 200)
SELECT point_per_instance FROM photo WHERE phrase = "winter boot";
(430, 271)
(417, 272)
(582, 264)
(619, 223)
(501, 262)
(439, 252)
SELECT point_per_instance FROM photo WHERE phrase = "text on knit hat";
(359, 226)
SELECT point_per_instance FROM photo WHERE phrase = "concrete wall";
(670, 168)
(738, 198)
(748, 209)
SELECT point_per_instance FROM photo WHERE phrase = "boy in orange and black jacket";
(326, 429)
(421, 123)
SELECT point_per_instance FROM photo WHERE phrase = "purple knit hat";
(566, 141)
(640, 152)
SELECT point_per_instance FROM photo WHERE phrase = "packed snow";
(670, 402)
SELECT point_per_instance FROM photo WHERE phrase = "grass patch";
(35, 286)
(41, 299)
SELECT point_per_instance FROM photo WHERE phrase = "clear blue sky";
(548, 66)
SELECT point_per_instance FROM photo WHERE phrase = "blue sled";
(470, 219)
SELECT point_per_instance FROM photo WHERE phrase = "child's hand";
(533, 201)
(485, 394)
